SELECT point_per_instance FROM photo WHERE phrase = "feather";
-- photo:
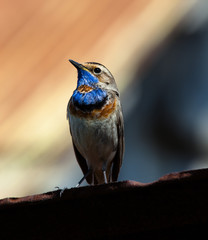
(117, 161)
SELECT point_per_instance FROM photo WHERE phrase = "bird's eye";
(97, 70)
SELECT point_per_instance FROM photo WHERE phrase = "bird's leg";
(84, 177)
(110, 174)
(104, 173)
(105, 178)
(93, 179)
(62, 191)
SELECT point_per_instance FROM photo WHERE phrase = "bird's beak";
(76, 64)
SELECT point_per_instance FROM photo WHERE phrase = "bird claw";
(61, 190)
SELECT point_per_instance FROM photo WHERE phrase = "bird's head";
(94, 83)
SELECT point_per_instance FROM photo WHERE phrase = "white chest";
(95, 139)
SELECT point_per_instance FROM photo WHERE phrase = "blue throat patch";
(86, 78)
(93, 99)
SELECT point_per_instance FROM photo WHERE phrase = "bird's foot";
(61, 190)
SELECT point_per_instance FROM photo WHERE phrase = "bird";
(96, 123)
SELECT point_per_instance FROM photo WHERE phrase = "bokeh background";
(156, 49)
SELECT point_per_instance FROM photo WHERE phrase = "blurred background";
(156, 49)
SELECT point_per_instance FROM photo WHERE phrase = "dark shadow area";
(174, 207)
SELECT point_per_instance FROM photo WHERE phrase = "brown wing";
(82, 163)
(117, 161)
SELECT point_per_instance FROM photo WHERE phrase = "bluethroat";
(96, 123)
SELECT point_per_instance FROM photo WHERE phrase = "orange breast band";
(104, 112)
